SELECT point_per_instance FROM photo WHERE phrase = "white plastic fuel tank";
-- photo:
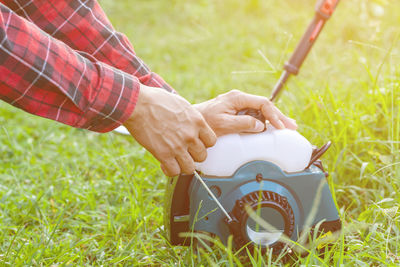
(286, 148)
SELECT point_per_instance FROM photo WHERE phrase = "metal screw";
(259, 177)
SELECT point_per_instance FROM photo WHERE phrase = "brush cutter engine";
(264, 202)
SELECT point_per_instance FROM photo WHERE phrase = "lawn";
(74, 197)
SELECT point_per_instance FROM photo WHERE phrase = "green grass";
(73, 197)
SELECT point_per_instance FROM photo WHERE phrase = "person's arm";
(83, 26)
(45, 77)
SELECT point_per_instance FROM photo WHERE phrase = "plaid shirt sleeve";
(46, 77)
(83, 26)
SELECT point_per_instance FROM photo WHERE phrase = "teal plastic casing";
(291, 202)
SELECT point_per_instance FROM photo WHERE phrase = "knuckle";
(198, 152)
(268, 103)
(164, 155)
(273, 118)
(199, 124)
(189, 139)
(234, 93)
(268, 108)
(179, 149)
(198, 121)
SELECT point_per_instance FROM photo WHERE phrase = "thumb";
(247, 124)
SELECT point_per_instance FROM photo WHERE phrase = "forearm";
(83, 26)
(45, 77)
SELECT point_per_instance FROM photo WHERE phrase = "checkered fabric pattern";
(63, 60)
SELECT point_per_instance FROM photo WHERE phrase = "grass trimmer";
(265, 189)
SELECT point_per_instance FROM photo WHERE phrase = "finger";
(207, 136)
(243, 124)
(288, 122)
(170, 167)
(185, 162)
(242, 100)
(271, 115)
(198, 151)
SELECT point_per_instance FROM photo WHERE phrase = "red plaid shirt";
(63, 60)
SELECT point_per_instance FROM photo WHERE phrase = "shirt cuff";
(154, 80)
(112, 101)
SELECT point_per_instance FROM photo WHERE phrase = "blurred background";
(101, 201)
(205, 47)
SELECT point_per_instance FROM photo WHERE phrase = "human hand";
(170, 129)
(220, 113)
